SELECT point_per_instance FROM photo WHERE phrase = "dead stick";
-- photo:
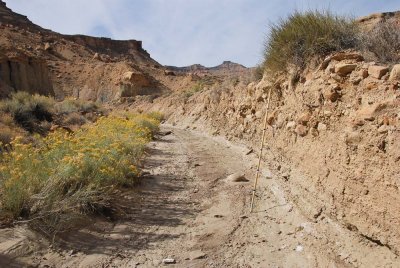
(261, 151)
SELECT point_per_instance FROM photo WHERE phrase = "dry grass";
(293, 41)
(72, 106)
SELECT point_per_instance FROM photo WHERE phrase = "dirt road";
(187, 211)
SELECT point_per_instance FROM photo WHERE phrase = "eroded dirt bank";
(337, 128)
(187, 210)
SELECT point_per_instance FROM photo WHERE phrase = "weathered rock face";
(25, 74)
(71, 65)
(338, 135)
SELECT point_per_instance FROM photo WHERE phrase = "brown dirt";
(185, 209)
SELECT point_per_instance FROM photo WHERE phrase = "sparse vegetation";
(70, 105)
(36, 113)
(196, 88)
(64, 176)
(301, 36)
(383, 41)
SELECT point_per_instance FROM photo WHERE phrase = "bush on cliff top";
(301, 36)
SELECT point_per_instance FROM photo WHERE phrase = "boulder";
(344, 69)
(377, 71)
(369, 112)
(395, 73)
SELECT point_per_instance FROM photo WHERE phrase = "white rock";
(168, 261)
(290, 125)
(299, 248)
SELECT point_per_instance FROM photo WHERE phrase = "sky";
(185, 32)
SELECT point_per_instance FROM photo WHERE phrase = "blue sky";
(184, 32)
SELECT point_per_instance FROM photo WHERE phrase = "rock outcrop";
(40, 61)
(25, 74)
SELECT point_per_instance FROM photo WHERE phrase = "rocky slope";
(41, 61)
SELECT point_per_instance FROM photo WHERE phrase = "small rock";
(299, 248)
(395, 73)
(169, 72)
(196, 255)
(249, 151)
(290, 125)
(344, 69)
(383, 129)
(304, 118)
(331, 93)
(166, 133)
(377, 71)
(321, 127)
(47, 46)
(363, 73)
(243, 217)
(195, 190)
(237, 177)
(168, 261)
(352, 137)
(218, 216)
(286, 176)
(301, 130)
(96, 56)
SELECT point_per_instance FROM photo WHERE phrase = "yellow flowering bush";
(66, 173)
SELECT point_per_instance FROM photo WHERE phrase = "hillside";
(37, 60)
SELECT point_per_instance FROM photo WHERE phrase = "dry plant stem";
(261, 151)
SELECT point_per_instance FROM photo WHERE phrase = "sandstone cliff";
(41, 61)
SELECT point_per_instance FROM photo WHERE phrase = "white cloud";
(183, 32)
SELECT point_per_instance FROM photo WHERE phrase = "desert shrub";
(74, 119)
(66, 176)
(157, 116)
(6, 135)
(301, 36)
(383, 41)
(26, 109)
(258, 73)
(6, 119)
(72, 105)
(194, 89)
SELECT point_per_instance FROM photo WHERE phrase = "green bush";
(25, 107)
(303, 35)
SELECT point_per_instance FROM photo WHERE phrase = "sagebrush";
(382, 41)
(66, 176)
